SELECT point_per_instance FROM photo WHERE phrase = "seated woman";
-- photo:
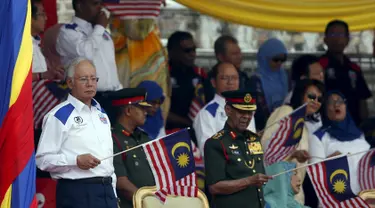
(154, 125)
(306, 91)
(338, 135)
(280, 191)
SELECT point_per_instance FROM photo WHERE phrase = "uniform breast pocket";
(236, 167)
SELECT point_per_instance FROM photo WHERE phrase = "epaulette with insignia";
(218, 134)
(71, 26)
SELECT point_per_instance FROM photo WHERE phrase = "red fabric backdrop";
(51, 10)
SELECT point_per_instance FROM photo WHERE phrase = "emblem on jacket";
(78, 119)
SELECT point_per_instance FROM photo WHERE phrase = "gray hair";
(71, 67)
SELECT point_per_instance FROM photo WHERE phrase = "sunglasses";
(279, 59)
(312, 96)
(189, 50)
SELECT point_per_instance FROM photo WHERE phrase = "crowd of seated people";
(333, 86)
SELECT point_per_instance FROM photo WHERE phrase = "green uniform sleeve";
(119, 165)
(215, 161)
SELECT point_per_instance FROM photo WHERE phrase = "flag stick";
(135, 147)
(327, 159)
(261, 132)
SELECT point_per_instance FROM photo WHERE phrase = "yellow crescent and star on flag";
(183, 158)
(339, 185)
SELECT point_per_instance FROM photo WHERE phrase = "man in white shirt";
(39, 66)
(212, 117)
(87, 37)
(76, 135)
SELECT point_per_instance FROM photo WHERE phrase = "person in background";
(270, 82)
(341, 73)
(76, 135)
(280, 191)
(132, 168)
(212, 117)
(234, 157)
(226, 50)
(87, 37)
(306, 91)
(39, 66)
(338, 135)
(305, 67)
(154, 124)
(185, 77)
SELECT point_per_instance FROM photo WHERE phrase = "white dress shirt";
(81, 39)
(39, 62)
(71, 129)
(211, 119)
(322, 144)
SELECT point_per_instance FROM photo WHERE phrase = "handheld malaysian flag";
(331, 181)
(287, 137)
(366, 171)
(172, 163)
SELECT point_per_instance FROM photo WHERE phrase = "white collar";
(79, 105)
(220, 100)
(83, 24)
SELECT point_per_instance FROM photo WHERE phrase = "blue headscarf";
(154, 123)
(274, 83)
(345, 130)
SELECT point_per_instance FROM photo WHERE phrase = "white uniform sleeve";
(39, 62)
(204, 127)
(316, 148)
(48, 156)
(73, 43)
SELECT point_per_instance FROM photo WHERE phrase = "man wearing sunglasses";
(341, 73)
(185, 78)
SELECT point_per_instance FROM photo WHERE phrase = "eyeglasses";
(345, 35)
(228, 78)
(336, 102)
(189, 50)
(279, 59)
(85, 80)
(312, 96)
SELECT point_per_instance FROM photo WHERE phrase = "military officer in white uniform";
(87, 37)
(76, 134)
(211, 118)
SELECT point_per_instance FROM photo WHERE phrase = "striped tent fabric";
(17, 157)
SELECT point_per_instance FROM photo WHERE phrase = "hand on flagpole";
(87, 161)
(334, 154)
(258, 179)
(301, 156)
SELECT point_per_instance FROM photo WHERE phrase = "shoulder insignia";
(218, 135)
(125, 133)
(71, 26)
(324, 62)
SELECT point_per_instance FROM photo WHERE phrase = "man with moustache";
(87, 37)
(211, 118)
(132, 168)
(234, 157)
(76, 134)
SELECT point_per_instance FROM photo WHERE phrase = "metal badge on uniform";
(103, 119)
(78, 119)
(234, 149)
(255, 148)
(253, 139)
(105, 36)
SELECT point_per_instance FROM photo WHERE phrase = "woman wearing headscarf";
(154, 125)
(280, 191)
(306, 91)
(270, 82)
(338, 135)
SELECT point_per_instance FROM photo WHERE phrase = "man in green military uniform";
(132, 168)
(234, 157)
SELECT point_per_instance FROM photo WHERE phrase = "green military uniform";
(231, 155)
(132, 164)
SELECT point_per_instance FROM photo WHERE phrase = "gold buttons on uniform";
(135, 156)
(254, 171)
(250, 162)
(247, 152)
(259, 190)
(259, 159)
(239, 159)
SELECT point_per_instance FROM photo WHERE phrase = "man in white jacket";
(211, 118)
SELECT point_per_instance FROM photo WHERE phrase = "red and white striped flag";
(43, 101)
(287, 137)
(172, 164)
(366, 171)
(331, 180)
(134, 9)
